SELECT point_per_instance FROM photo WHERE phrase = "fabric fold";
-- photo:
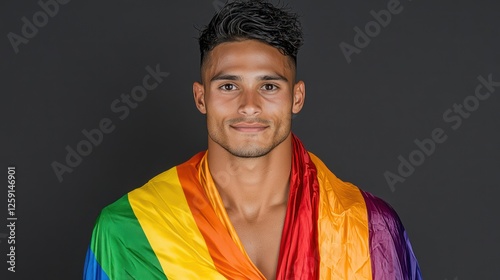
(176, 227)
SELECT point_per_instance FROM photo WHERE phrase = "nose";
(250, 103)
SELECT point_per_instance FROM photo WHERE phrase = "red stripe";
(299, 254)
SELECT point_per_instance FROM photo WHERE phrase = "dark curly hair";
(257, 19)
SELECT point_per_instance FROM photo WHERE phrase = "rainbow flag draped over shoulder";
(176, 227)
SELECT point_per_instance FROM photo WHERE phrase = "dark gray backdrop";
(361, 117)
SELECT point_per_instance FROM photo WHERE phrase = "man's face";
(248, 95)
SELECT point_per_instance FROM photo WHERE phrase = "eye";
(227, 87)
(269, 87)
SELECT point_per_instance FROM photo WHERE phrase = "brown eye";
(227, 87)
(269, 87)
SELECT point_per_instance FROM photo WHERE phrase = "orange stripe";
(165, 218)
(343, 234)
(214, 197)
(227, 256)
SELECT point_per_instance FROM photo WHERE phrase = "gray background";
(359, 117)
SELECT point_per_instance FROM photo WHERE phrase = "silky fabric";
(176, 227)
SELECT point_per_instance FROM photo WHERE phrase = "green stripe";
(121, 247)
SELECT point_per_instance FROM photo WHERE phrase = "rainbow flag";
(176, 227)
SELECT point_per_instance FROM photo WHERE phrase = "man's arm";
(390, 249)
(119, 248)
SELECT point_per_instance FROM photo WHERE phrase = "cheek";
(219, 106)
(285, 122)
(281, 108)
(212, 118)
(216, 115)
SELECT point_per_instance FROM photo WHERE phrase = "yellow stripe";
(343, 233)
(164, 215)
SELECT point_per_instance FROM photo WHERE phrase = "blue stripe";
(92, 270)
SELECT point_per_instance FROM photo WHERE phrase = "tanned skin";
(248, 93)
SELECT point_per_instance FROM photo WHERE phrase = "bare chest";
(261, 239)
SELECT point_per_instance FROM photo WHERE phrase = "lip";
(248, 127)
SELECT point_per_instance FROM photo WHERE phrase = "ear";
(299, 96)
(199, 97)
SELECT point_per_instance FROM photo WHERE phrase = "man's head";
(248, 90)
(256, 19)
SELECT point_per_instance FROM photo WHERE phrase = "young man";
(256, 204)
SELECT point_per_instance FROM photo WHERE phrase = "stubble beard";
(250, 151)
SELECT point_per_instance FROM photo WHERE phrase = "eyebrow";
(275, 77)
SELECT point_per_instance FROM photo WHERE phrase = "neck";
(252, 186)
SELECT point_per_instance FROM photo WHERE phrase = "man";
(256, 204)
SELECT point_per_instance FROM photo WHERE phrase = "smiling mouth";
(249, 127)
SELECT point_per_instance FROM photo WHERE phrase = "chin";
(249, 152)
(248, 145)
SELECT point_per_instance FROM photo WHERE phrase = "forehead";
(247, 55)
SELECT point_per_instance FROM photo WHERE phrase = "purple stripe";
(390, 250)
